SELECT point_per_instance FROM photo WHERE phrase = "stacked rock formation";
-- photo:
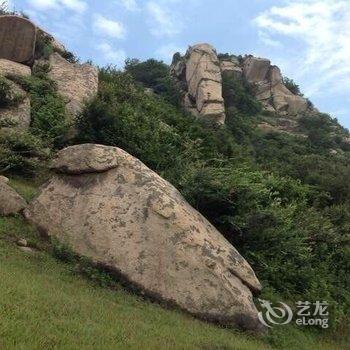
(199, 71)
(270, 89)
(107, 205)
(20, 43)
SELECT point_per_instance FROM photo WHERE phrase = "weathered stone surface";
(131, 220)
(75, 82)
(231, 69)
(8, 68)
(270, 89)
(17, 115)
(10, 201)
(200, 71)
(255, 69)
(4, 179)
(88, 158)
(17, 39)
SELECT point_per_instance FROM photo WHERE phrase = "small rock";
(27, 250)
(10, 201)
(22, 242)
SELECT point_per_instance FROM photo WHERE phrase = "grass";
(46, 304)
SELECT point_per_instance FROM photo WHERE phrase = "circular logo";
(274, 315)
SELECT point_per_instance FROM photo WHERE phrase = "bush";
(49, 119)
(21, 153)
(155, 75)
(292, 86)
(8, 97)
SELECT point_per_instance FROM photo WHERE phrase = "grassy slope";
(44, 305)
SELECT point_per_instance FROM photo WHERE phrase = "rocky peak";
(199, 74)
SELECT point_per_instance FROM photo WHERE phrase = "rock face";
(108, 206)
(270, 89)
(10, 201)
(17, 39)
(231, 68)
(200, 72)
(75, 82)
(8, 68)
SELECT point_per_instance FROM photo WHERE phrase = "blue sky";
(309, 40)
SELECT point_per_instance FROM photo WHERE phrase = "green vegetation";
(26, 152)
(291, 86)
(8, 97)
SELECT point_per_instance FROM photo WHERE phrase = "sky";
(308, 39)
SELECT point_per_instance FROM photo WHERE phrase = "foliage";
(49, 119)
(21, 152)
(8, 97)
(155, 75)
(292, 86)
(70, 57)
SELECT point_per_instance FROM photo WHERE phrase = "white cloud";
(166, 52)
(111, 55)
(163, 21)
(321, 31)
(44, 4)
(129, 5)
(74, 5)
(113, 29)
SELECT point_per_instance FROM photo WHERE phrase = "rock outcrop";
(76, 82)
(10, 201)
(21, 41)
(17, 38)
(107, 205)
(199, 71)
(270, 89)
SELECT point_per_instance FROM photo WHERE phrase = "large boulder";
(107, 205)
(200, 71)
(76, 82)
(10, 68)
(17, 39)
(10, 201)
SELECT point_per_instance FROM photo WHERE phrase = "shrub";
(21, 153)
(8, 97)
(291, 86)
(155, 75)
(49, 119)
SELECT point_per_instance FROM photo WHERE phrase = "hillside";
(258, 169)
